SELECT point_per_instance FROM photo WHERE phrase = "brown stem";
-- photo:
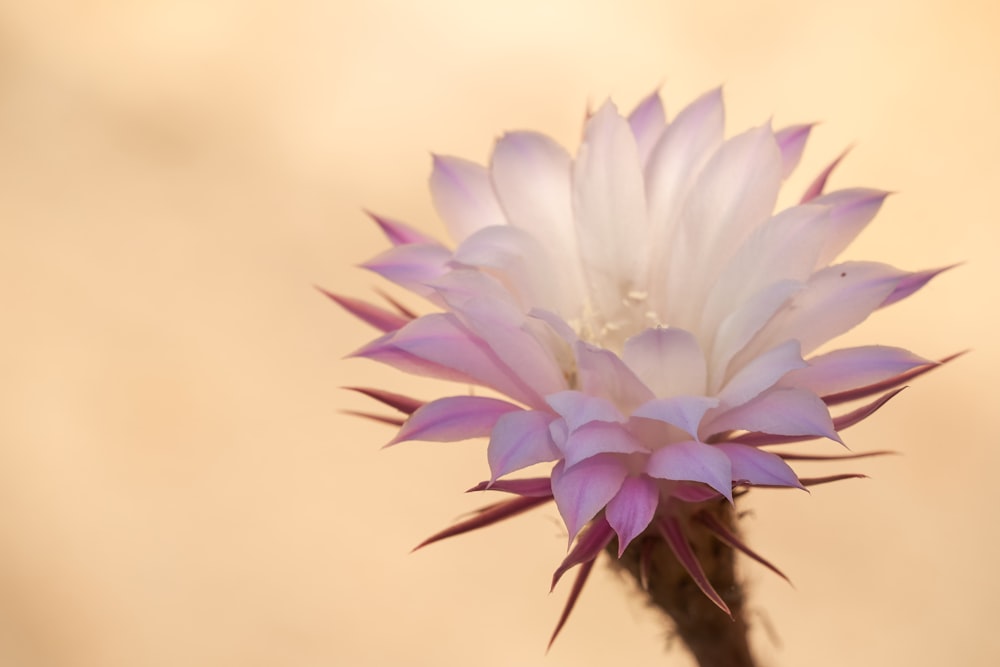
(715, 639)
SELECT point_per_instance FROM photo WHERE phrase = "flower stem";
(715, 639)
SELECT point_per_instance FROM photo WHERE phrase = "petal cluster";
(645, 319)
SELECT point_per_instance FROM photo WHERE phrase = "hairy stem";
(715, 639)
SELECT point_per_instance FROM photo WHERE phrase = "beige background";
(176, 484)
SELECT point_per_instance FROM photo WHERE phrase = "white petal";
(609, 205)
(668, 361)
(601, 373)
(734, 194)
(694, 462)
(779, 411)
(762, 373)
(851, 211)
(647, 121)
(684, 412)
(673, 166)
(463, 196)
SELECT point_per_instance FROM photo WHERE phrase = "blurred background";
(177, 484)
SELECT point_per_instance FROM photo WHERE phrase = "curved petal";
(762, 373)
(850, 212)
(779, 412)
(463, 196)
(412, 266)
(684, 412)
(630, 512)
(834, 301)
(791, 142)
(598, 437)
(454, 418)
(647, 121)
(578, 408)
(851, 368)
(756, 466)
(583, 490)
(602, 373)
(693, 462)
(519, 439)
(667, 360)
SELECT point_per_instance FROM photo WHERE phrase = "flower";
(647, 322)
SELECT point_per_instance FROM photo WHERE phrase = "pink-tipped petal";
(380, 318)
(519, 439)
(851, 368)
(669, 361)
(755, 466)
(791, 142)
(583, 490)
(890, 383)
(411, 266)
(382, 419)
(684, 412)
(817, 187)
(647, 121)
(694, 462)
(399, 233)
(726, 536)
(463, 196)
(589, 545)
(674, 536)
(779, 412)
(454, 418)
(630, 512)
(840, 423)
(912, 283)
(599, 437)
(850, 212)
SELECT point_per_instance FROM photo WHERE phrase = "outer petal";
(630, 512)
(411, 265)
(400, 233)
(599, 438)
(783, 248)
(739, 328)
(780, 412)
(647, 121)
(583, 490)
(578, 408)
(463, 196)
(602, 373)
(834, 301)
(609, 205)
(694, 462)
(791, 142)
(684, 412)
(851, 211)
(454, 418)
(759, 467)
(668, 361)
(853, 367)
(518, 261)
(519, 439)
(762, 373)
